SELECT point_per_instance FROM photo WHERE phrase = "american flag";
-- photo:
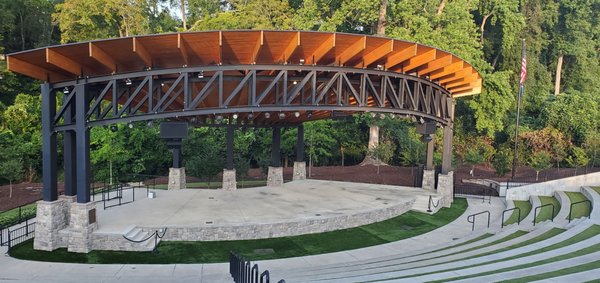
(523, 66)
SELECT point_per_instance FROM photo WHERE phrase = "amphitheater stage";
(298, 207)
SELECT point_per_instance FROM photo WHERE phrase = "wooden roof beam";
(63, 62)
(454, 67)
(436, 64)
(26, 68)
(468, 71)
(290, 49)
(352, 50)
(102, 57)
(259, 43)
(322, 50)
(377, 54)
(399, 57)
(473, 91)
(420, 60)
(184, 49)
(462, 80)
(468, 86)
(141, 52)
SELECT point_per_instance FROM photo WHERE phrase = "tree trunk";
(537, 175)
(381, 23)
(482, 27)
(440, 8)
(377, 168)
(183, 14)
(10, 189)
(22, 32)
(558, 74)
(342, 151)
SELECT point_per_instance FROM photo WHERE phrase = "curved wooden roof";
(122, 55)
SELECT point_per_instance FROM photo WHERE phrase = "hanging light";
(302, 61)
(219, 118)
(281, 115)
(130, 125)
(201, 74)
(66, 90)
(379, 67)
(297, 114)
(308, 114)
(149, 124)
(267, 115)
(250, 116)
(128, 81)
(421, 120)
(235, 116)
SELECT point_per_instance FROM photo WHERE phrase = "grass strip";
(581, 209)
(524, 206)
(12, 217)
(588, 233)
(484, 236)
(401, 227)
(565, 271)
(597, 189)
(546, 212)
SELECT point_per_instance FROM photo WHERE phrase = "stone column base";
(83, 223)
(275, 177)
(445, 188)
(51, 217)
(176, 178)
(229, 181)
(299, 171)
(428, 180)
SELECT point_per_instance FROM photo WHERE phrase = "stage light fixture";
(281, 115)
(250, 116)
(130, 125)
(267, 115)
(297, 114)
(235, 116)
(66, 90)
(302, 61)
(201, 74)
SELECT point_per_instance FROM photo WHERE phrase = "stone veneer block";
(299, 171)
(229, 181)
(83, 223)
(446, 188)
(51, 217)
(176, 178)
(275, 177)
(428, 180)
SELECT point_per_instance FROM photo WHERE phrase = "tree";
(11, 170)
(383, 152)
(577, 158)
(502, 161)
(539, 161)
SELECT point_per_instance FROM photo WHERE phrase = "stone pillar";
(428, 179)
(51, 217)
(229, 182)
(275, 177)
(446, 188)
(176, 178)
(83, 223)
(299, 171)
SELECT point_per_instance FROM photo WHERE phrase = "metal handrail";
(155, 235)
(472, 217)
(243, 271)
(541, 206)
(582, 201)
(435, 205)
(511, 209)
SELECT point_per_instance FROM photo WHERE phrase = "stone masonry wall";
(229, 181)
(428, 180)
(275, 177)
(299, 171)
(51, 217)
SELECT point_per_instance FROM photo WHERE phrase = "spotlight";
(297, 114)
(219, 118)
(421, 120)
(201, 74)
(130, 125)
(379, 67)
(66, 90)
(308, 114)
(113, 128)
(373, 115)
(162, 84)
(302, 61)
(295, 82)
(149, 124)
(281, 115)
(381, 116)
(235, 116)
(250, 116)
(128, 81)
(267, 115)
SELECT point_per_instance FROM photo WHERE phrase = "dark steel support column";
(230, 136)
(69, 153)
(82, 142)
(276, 148)
(49, 143)
(429, 156)
(177, 156)
(300, 144)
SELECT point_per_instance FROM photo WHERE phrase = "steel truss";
(250, 91)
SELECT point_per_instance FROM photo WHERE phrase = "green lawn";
(597, 189)
(524, 206)
(407, 225)
(581, 209)
(11, 217)
(556, 273)
(545, 213)
(216, 185)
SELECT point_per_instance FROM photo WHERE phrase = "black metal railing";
(580, 202)
(471, 218)
(518, 209)
(22, 214)
(17, 235)
(474, 191)
(430, 204)
(243, 271)
(541, 206)
(156, 234)
(115, 192)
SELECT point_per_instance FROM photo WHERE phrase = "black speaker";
(427, 128)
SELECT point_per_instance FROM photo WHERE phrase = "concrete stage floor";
(306, 201)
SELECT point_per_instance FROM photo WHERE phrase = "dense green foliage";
(407, 225)
(563, 129)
